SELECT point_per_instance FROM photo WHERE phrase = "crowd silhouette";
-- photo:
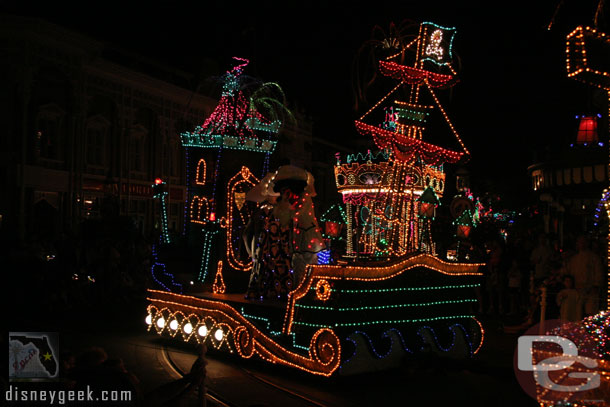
(518, 274)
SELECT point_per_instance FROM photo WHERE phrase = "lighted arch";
(201, 172)
(238, 215)
(199, 209)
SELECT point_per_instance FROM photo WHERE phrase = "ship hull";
(341, 319)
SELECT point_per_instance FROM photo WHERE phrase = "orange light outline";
(200, 200)
(261, 344)
(219, 286)
(363, 273)
(197, 174)
(243, 176)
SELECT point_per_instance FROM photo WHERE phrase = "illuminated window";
(587, 130)
(199, 209)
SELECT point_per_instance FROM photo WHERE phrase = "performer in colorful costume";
(283, 235)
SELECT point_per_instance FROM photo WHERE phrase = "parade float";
(390, 296)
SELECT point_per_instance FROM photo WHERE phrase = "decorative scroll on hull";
(222, 326)
(319, 317)
(389, 295)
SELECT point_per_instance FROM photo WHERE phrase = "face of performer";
(289, 197)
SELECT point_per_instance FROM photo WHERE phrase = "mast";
(382, 194)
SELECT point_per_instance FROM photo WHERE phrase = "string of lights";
(208, 238)
(219, 287)
(581, 66)
(384, 307)
(188, 190)
(324, 354)
(380, 322)
(200, 175)
(390, 198)
(238, 184)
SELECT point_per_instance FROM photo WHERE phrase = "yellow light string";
(299, 292)
(324, 350)
(399, 197)
(323, 290)
(382, 99)
(211, 326)
(200, 175)
(243, 176)
(403, 50)
(371, 274)
(580, 50)
(196, 216)
(574, 69)
(542, 392)
(482, 336)
(350, 243)
(373, 206)
(406, 104)
(219, 286)
(414, 95)
(438, 103)
(378, 273)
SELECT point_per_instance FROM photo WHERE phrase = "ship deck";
(238, 299)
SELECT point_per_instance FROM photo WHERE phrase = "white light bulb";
(160, 322)
(173, 325)
(148, 319)
(218, 334)
(203, 330)
(188, 328)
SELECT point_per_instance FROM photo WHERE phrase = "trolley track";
(214, 395)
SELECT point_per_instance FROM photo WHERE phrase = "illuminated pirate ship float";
(390, 296)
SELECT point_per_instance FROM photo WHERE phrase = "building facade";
(87, 128)
(84, 134)
(568, 184)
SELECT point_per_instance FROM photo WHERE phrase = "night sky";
(512, 99)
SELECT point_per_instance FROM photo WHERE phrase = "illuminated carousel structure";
(390, 296)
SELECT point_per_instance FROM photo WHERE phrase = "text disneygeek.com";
(60, 397)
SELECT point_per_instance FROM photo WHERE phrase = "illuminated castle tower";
(391, 196)
(223, 155)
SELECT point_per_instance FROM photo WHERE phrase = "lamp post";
(428, 201)
(464, 224)
(160, 191)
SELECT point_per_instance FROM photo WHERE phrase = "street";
(158, 362)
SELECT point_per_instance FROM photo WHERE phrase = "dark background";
(513, 101)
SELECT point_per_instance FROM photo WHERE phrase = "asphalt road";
(159, 362)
